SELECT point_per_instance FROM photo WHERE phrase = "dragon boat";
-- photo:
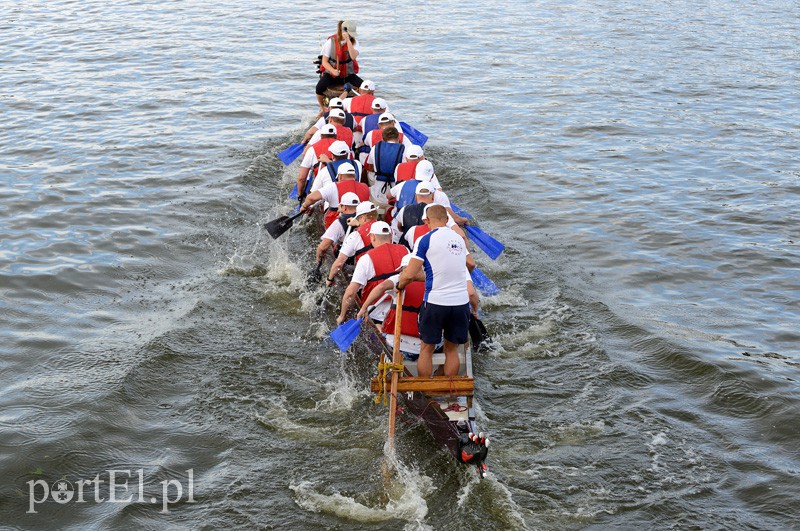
(445, 404)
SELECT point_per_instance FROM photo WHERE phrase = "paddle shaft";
(396, 357)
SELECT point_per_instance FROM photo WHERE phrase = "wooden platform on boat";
(435, 385)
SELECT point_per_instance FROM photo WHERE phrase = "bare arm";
(377, 292)
(347, 300)
(412, 272)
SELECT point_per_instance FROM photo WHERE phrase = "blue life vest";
(369, 123)
(387, 156)
(333, 168)
(408, 194)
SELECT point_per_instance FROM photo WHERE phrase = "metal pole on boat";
(397, 358)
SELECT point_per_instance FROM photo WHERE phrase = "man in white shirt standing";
(440, 257)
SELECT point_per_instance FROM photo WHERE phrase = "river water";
(639, 160)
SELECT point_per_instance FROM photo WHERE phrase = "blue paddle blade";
(346, 333)
(489, 245)
(415, 136)
(293, 193)
(460, 212)
(288, 155)
(484, 283)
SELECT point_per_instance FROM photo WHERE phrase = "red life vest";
(363, 231)
(406, 170)
(413, 296)
(361, 105)
(385, 259)
(342, 57)
(360, 189)
(377, 136)
(345, 134)
(415, 233)
(322, 147)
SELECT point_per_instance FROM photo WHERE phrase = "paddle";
(489, 245)
(278, 226)
(346, 333)
(415, 136)
(293, 193)
(460, 212)
(397, 358)
(288, 155)
(484, 283)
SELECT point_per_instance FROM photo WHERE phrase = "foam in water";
(406, 490)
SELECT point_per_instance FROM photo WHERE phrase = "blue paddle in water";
(484, 283)
(489, 245)
(461, 212)
(415, 136)
(288, 155)
(346, 333)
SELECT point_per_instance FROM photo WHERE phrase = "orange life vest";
(322, 147)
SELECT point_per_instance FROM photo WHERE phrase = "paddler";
(361, 105)
(331, 193)
(357, 242)
(341, 154)
(340, 227)
(378, 264)
(319, 152)
(335, 103)
(412, 302)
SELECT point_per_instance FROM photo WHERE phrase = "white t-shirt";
(364, 271)
(352, 244)
(335, 232)
(329, 51)
(330, 194)
(309, 159)
(444, 258)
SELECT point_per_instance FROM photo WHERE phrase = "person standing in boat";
(338, 62)
(440, 259)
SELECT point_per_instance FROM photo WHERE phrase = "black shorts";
(436, 321)
(326, 81)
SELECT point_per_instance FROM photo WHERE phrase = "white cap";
(339, 148)
(424, 171)
(415, 151)
(346, 168)
(328, 129)
(349, 199)
(379, 103)
(404, 261)
(350, 27)
(386, 117)
(336, 113)
(424, 188)
(367, 84)
(380, 228)
(365, 207)
(336, 103)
